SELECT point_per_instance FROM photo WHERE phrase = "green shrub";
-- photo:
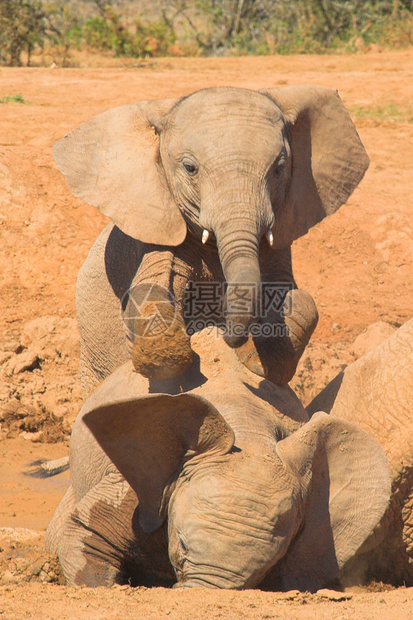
(109, 33)
(22, 28)
(141, 28)
(98, 34)
(14, 99)
(296, 26)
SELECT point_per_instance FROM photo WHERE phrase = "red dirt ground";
(357, 265)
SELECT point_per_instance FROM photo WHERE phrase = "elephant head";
(229, 165)
(238, 502)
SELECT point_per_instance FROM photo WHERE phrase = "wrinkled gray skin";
(235, 487)
(236, 163)
(376, 393)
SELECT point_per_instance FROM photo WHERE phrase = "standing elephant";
(210, 189)
(234, 484)
(376, 393)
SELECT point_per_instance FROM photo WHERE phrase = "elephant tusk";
(205, 236)
(270, 237)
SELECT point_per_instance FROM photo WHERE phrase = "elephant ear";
(328, 158)
(149, 438)
(111, 162)
(346, 483)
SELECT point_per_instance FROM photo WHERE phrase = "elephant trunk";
(238, 240)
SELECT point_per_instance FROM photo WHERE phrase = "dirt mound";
(40, 391)
(23, 558)
(38, 425)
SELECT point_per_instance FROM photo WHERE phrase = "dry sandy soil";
(357, 265)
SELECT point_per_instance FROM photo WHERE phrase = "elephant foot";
(249, 356)
(276, 357)
(271, 358)
(161, 347)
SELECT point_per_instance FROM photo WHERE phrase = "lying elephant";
(376, 393)
(210, 189)
(235, 486)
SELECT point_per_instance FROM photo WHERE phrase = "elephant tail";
(47, 469)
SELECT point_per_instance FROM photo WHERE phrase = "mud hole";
(356, 264)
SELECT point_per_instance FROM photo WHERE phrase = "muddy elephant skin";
(376, 393)
(210, 188)
(217, 480)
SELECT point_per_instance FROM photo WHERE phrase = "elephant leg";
(93, 543)
(103, 543)
(102, 281)
(57, 525)
(160, 346)
(285, 326)
(275, 357)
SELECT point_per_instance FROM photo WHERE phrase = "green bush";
(98, 34)
(109, 33)
(205, 27)
(14, 99)
(299, 26)
(22, 28)
(156, 37)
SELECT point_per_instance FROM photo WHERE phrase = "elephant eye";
(190, 168)
(279, 166)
